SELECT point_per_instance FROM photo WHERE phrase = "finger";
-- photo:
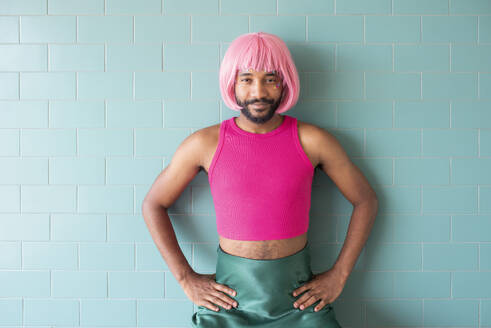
(302, 299)
(225, 289)
(300, 290)
(309, 302)
(209, 305)
(217, 300)
(319, 306)
(225, 299)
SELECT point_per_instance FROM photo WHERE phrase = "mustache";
(259, 102)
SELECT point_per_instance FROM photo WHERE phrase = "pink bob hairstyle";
(263, 52)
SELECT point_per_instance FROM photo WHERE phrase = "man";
(260, 167)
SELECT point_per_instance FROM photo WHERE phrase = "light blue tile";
(306, 7)
(195, 7)
(73, 7)
(369, 284)
(158, 85)
(400, 257)
(173, 289)
(105, 85)
(23, 7)
(335, 29)
(392, 28)
(421, 58)
(320, 113)
(9, 198)
(25, 283)
(211, 29)
(76, 114)
(77, 171)
(48, 86)
(363, 7)
(451, 313)
(418, 171)
(470, 228)
(254, 7)
(471, 284)
(352, 57)
(126, 284)
(127, 228)
(48, 198)
(476, 7)
(100, 29)
(485, 142)
(471, 114)
(484, 28)
(79, 284)
(471, 58)
(105, 198)
(164, 312)
(485, 257)
(450, 257)
(205, 85)
(196, 114)
(48, 142)
(449, 142)
(78, 227)
(9, 86)
(148, 256)
(313, 57)
(51, 255)
(11, 256)
(202, 201)
(51, 312)
(288, 28)
(108, 313)
(21, 114)
(132, 171)
(11, 312)
(449, 29)
(23, 170)
(485, 313)
(76, 57)
(450, 199)
(364, 114)
(163, 28)
(376, 170)
(9, 142)
(334, 85)
(422, 114)
(395, 199)
(391, 142)
(484, 85)
(471, 171)
(134, 114)
(23, 57)
(393, 85)
(124, 57)
(182, 57)
(322, 228)
(105, 142)
(409, 313)
(419, 7)
(10, 29)
(37, 29)
(118, 7)
(422, 284)
(145, 146)
(15, 227)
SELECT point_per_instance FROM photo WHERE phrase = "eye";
(244, 80)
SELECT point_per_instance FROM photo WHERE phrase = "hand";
(203, 290)
(326, 286)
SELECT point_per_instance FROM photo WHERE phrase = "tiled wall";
(96, 95)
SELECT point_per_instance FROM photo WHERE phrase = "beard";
(270, 110)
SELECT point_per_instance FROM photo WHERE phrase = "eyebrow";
(247, 74)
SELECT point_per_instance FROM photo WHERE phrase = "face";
(258, 93)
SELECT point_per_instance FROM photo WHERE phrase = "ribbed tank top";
(260, 183)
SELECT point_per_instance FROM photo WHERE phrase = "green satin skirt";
(264, 294)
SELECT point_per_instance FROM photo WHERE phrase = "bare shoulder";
(320, 144)
(208, 141)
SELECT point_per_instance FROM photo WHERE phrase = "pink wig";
(263, 52)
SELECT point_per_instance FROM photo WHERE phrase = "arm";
(334, 161)
(165, 190)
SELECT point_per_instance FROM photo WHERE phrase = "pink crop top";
(260, 183)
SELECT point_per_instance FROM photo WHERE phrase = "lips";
(259, 105)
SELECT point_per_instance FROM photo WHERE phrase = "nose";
(258, 91)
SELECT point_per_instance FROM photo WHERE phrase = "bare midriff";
(263, 249)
